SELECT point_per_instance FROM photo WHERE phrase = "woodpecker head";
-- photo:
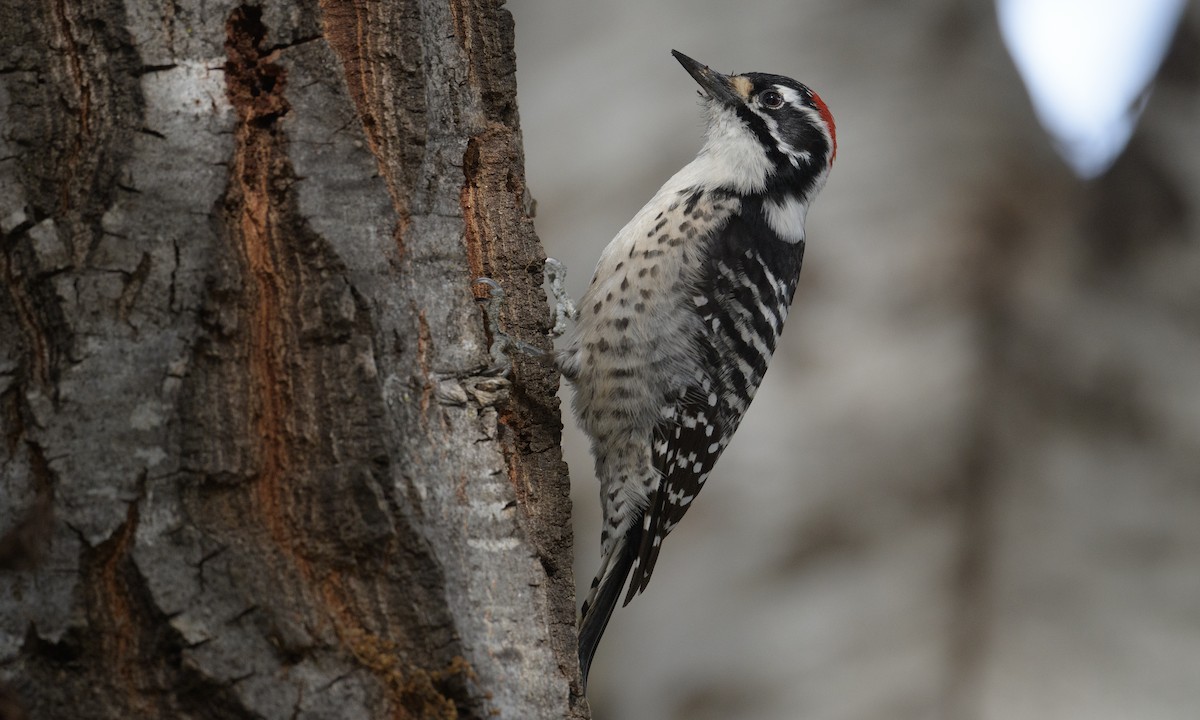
(767, 134)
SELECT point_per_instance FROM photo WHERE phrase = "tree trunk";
(248, 425)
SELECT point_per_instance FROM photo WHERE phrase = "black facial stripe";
(762, 81)
(790, 181)
(800, 128)
(797, 127)
(759, 127)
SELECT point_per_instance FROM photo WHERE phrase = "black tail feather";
(596, 616)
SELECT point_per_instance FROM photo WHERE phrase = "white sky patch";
(1087, 65)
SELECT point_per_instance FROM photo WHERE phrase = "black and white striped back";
(745, 289)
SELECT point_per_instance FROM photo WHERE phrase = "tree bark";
(249, 429)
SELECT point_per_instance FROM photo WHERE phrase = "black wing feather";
(748, 284)
(595, 617)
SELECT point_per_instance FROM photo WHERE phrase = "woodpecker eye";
(772, 100)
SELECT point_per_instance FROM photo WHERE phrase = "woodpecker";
(674, 334)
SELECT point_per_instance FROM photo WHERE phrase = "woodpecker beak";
(718, 87)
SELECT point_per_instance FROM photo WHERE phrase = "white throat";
(732, 156)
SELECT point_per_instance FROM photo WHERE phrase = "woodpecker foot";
(502, 342)
(564, 307)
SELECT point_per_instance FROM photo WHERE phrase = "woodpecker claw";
(493, 286)
(564, 307)
(502, 342)
(501, 363)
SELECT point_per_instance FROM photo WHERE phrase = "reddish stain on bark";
(65, 32)
(27, 315)
(262, 211)
(255, 88)
(424, 340)
(119, 615)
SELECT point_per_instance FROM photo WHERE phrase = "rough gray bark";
(247, 422)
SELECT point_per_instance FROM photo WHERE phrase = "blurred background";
(969, 487)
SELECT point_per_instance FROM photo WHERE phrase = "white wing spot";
(787, 218)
